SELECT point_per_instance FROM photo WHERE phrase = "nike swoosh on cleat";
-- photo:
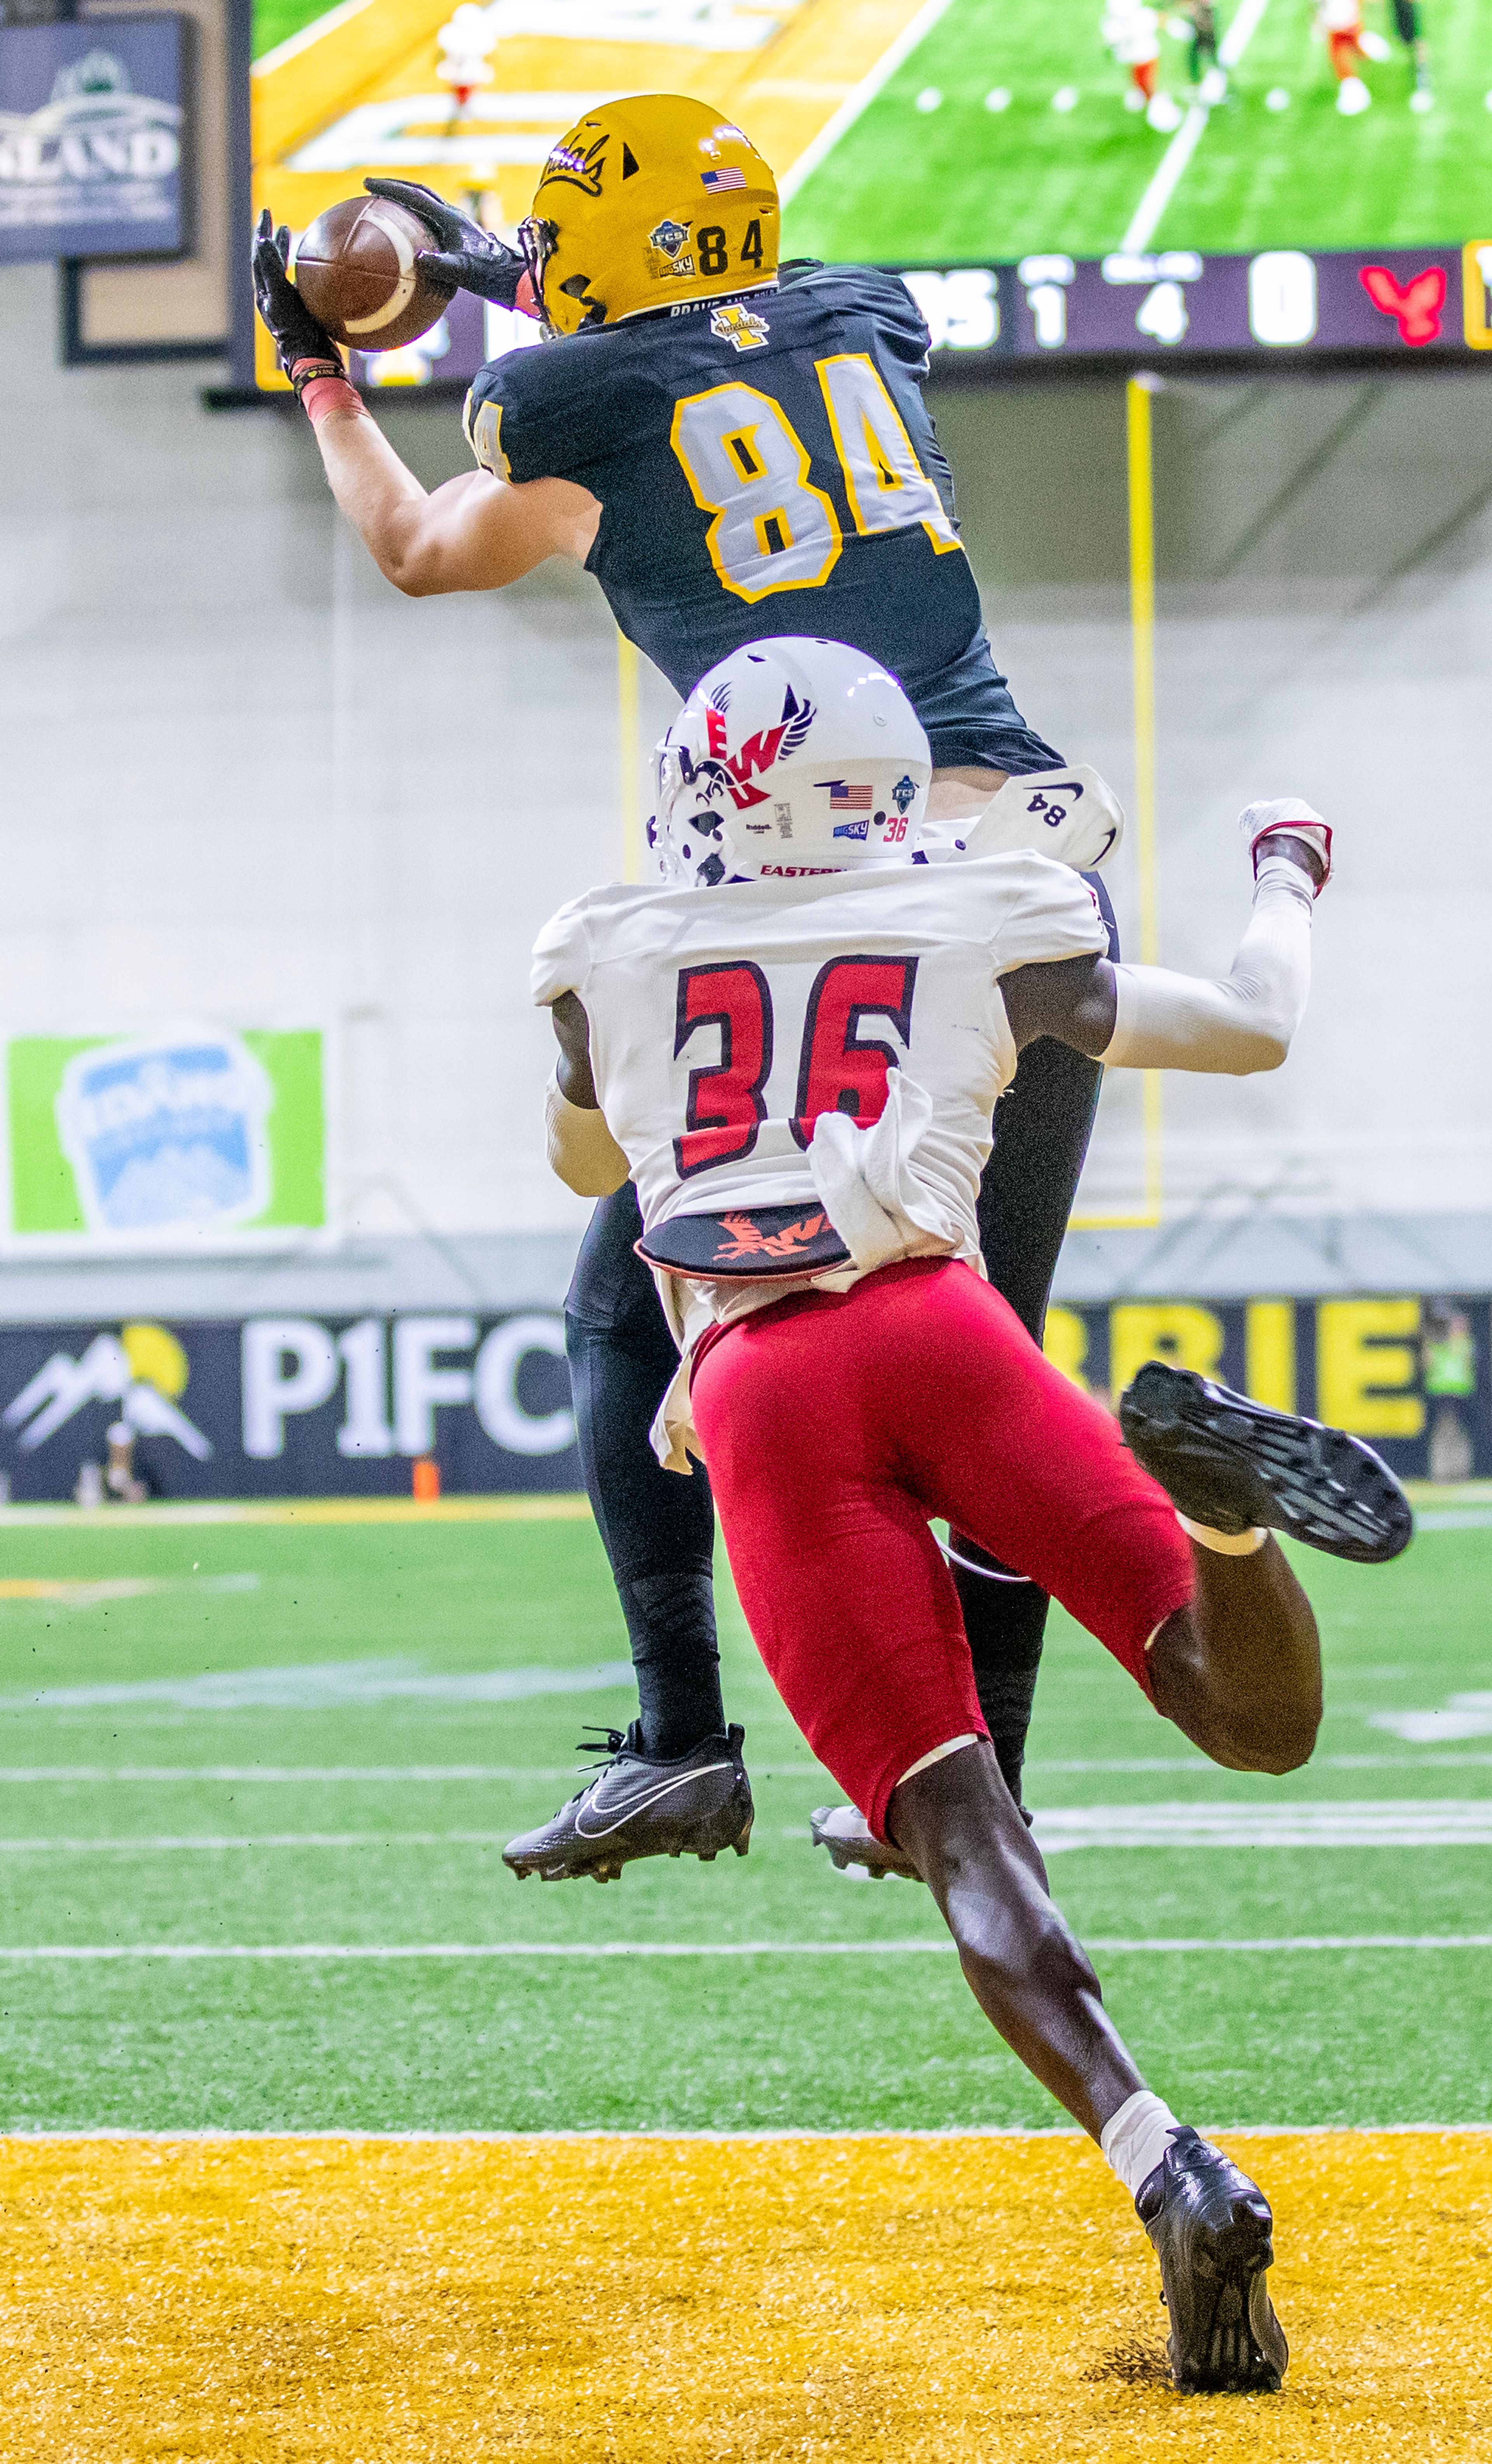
(641, 1804)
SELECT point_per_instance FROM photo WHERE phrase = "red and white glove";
(1286, 816)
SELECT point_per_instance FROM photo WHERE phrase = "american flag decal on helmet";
(844, 798)
(719, 180)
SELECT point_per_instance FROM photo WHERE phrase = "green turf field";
(311, 1805)
(957, 182)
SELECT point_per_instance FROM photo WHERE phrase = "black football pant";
(658, 1528)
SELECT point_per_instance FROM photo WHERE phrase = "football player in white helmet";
(796, 1055)
(719, 817)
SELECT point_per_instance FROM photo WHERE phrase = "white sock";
(1223, 1544)
(1135, 2138)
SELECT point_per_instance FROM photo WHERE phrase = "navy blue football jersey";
(767, 465)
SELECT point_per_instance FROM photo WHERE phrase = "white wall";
(1324, 628)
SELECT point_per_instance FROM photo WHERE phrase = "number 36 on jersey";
(841, 1067)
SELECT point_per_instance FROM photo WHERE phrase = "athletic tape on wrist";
(1223, 1544)
(1317, 835)
(325, 395)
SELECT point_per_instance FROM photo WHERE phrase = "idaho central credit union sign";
(92, 124)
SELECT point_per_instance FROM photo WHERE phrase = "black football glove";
(300, 340)
(468, 258)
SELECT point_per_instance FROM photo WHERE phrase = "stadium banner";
(93, 135)
(286, 1406)
(303, 1406)
(185, 1139)
(1133, 306)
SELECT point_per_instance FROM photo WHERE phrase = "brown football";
(356, 270)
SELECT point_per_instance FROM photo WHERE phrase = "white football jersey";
(723, 1022)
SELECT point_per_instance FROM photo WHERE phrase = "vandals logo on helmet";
(903, 795)
(668, 237)
(578, 170)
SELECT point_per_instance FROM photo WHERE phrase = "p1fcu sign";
(1410, 1372)
(286, 1406)
(92, 138)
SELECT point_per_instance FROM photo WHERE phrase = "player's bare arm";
(573, 1070)
(473, 533)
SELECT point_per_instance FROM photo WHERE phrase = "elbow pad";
(581, 1148)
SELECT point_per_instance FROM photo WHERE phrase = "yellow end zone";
(567, 1507)
(894, 2300)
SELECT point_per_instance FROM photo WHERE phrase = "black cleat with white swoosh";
(635, 1806)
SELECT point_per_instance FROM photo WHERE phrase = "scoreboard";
(1136, 306)
(1127, 309)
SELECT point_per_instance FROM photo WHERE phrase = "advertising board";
(93, 134)
(303, 1406)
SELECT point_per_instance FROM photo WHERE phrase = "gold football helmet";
(651, 199)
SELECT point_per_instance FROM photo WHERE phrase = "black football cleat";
(1231, 1463)
(633, 1806)
(843, 1829)
(1214, 2235)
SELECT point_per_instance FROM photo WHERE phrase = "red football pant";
(835, 1426)
(1143, 74)
(1347, 57)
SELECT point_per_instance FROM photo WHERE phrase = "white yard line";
(917, 1947)
(155, 1774)
(293, 45)
(1183, 146)
(861, 98)
(1429, 1822)
(171, 1843)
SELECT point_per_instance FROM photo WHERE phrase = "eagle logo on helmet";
(800, 718)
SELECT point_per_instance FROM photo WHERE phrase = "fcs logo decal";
(758, 752)
(903, 795)
(578, 170)
(666, 240)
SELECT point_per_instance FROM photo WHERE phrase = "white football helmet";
(790, 758)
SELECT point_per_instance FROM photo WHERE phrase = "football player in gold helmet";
(736, 447)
